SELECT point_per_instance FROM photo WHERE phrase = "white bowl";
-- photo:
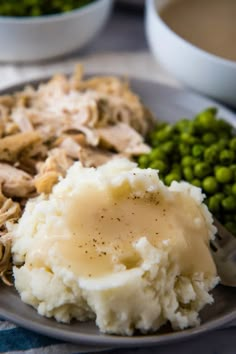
(37, 38)
(195, 67)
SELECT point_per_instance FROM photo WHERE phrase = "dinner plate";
(168, 104)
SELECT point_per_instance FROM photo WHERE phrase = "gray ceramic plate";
(168, 104)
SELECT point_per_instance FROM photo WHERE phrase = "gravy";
(102, 227)
(207, 24)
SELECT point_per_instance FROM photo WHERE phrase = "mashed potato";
(115, 244)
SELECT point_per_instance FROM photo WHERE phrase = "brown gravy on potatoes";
(207, 24)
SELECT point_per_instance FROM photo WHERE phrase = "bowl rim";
(151, 6)
(57, 17)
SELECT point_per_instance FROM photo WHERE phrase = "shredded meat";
(55, 166)
(94, 157)
(44, 129)
(15, 182)
(9, 211)
(123, 139)
(5, 260)
(71, 147)
(11, 147)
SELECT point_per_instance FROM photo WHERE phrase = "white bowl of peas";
(39, 30)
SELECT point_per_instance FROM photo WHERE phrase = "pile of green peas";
(39, 7)
(201, 151)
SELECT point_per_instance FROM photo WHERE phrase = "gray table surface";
(123, 32)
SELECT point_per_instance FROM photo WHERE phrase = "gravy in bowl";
(207, 24)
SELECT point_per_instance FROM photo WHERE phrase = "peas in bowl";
(39, 7)
(38, 30)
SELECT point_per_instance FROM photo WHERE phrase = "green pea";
(222, 125)
(168, 147)
(172, 177)
(176, 167)
(227, 189)
(222, 143)
(220, 196)
(233, 167)
(155, 142)
(37, 12)
(184, 125)
(164, 134)
(169, 129)
(224, 174)
(198, 150)
(196, 182)
(202, 169)
(161, 125)
(143, 161)
(232, 144)
(187, 161)
(226, 157)
(159, 165)
(216, 168)
(152, 138)
(209, 138)
(184, 149)
(210, 185)
(206, 120)
(234, 189)
(188, 139)
(229, 203)
(211, 155)
(188, 174)
(157, 154)
(214, 204)
(195, 140)
(212, 110)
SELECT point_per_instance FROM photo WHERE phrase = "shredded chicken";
(5, 260)
(71, 147)
(55, 166)
(43, 130)
(94, 157)
(9, 210)
(12, 146)
(15, 182)
(123, 139)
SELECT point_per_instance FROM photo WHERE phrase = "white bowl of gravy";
(196, 42)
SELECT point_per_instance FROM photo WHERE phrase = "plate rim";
(113, 340)
(119, 341)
